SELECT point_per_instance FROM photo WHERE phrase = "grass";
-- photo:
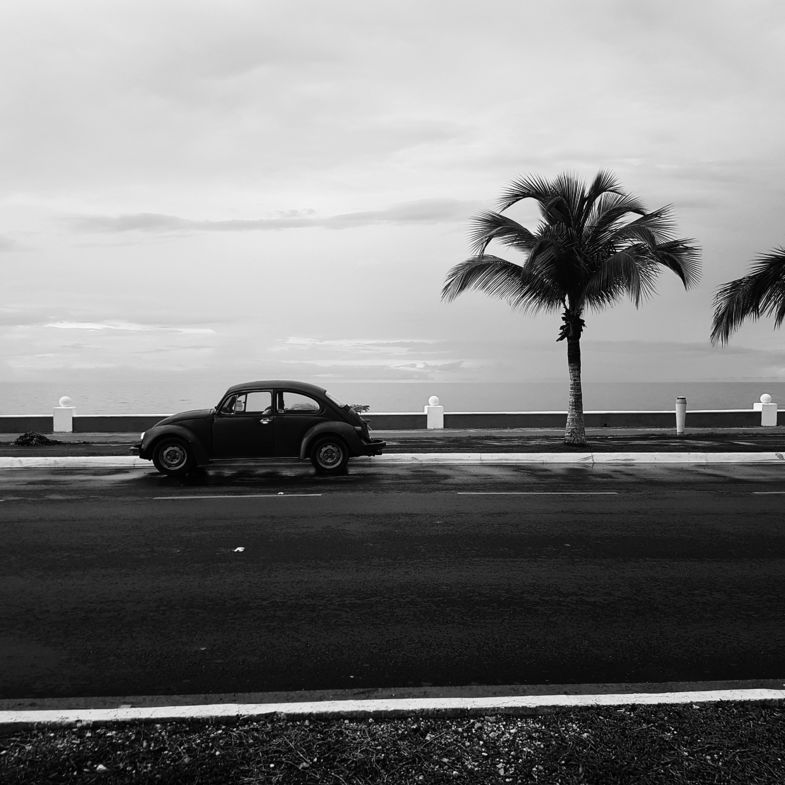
(706, 743)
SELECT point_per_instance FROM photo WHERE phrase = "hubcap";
(330, 455)
(173, 457)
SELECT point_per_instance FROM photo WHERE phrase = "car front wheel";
(329, 455)
(173, 457)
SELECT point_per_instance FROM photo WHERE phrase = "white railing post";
(434, 414)
(681, 414)
(63, 416)
(767, 409)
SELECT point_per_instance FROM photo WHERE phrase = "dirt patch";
(659, 745)
(31, 439)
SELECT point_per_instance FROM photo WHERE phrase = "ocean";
(174, 394)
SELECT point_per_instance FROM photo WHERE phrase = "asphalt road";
(256, 579)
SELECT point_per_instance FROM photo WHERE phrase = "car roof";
(287, 384)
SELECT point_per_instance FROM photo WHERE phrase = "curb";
(583, 458)
(382, 708)
(588, 459)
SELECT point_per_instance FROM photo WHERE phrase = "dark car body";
(261, 419)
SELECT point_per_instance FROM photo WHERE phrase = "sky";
(258, 189)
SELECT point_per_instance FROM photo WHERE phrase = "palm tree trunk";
(575, 432)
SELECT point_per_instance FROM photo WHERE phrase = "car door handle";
(265, 420)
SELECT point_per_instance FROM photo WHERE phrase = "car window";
(259, 402)
(255, 402)
(297, 403)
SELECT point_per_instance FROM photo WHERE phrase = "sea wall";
(731, 418)
(396, 421)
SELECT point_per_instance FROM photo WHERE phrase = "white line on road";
(538, 493)
(768, 493)
(238, 496)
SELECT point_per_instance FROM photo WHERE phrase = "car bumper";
(373, 447)
(136, 449)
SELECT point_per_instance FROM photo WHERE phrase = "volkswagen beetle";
(261, 419)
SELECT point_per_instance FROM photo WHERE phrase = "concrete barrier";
(731, 418)
(37, 423)
(398, 421)
(115, 423)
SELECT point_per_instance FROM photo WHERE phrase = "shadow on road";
(244, 476)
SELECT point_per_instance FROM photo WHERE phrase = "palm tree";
(761, 293)
(592, 246)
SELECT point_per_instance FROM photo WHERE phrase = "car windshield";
(228, 405)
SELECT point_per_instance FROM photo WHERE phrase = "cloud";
(129, 327)
(431, 367)
(18, 314)
(423, 211)
(688, 348)
(324, 371)
(357, 345)
(180, 350)
(67, 346)
(364, 358)
(7, 244)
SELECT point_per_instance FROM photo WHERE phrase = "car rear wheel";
(329, 455)
(173, 457)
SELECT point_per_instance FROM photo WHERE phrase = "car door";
(244, 426)
(296, 414)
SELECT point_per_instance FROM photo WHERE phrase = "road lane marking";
(537, 493)
(239, 496)
(768, 493)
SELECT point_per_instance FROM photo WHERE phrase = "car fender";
(200, 451)
(342, 429)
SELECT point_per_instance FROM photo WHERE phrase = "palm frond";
(489, 226)
(505, 280)
(538, 294)
(681, 257)
(659, 221)
(558, 200)
(628, 271)
(633, 269)
(608, 214)
(604, 183)
(531, 187)
(732, 305)
(760, 293)
(569, 198)
(486, 273)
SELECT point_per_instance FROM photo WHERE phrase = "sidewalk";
(513, 445)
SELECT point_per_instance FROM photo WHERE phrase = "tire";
(173, 457)
(329, 455)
